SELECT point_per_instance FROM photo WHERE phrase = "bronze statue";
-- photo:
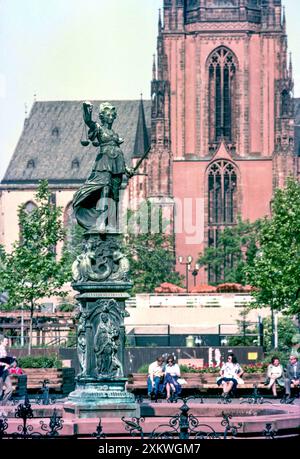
(97, 200)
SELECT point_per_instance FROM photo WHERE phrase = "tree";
(248, 332)
(73, 244)
(287, 330)
(151, 255)
(236, 248)
(32, 271)
(275, 271)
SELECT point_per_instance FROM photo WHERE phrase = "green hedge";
(40, 361)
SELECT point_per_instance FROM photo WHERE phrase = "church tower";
(222, 132)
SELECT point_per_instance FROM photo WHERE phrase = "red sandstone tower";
(222, 131)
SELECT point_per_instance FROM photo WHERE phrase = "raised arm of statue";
(87, 114)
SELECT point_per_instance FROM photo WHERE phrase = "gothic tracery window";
(222, 65)
(222, 206)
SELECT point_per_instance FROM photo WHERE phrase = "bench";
(137, 383)
(196, 383)
(208, 380)
(61, 380)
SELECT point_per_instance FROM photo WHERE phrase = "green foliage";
(40, 361)
(31, 271)
(68, 304)
(241, 340)
(151, 255)
(260, 367)
(276, 271)
(143, 368)
(245, 329)
(286, 333)
(67, 307)
(236, 248)
(73, 245)
(282, 355)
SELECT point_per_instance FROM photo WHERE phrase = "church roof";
(141, 144)
(50, 148)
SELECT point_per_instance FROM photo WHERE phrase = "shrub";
(230, 287)
(143, 368)
(255, 367)
(40, 361)
(190, 368)
(66, 307)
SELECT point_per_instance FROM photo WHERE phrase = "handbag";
(181, 381)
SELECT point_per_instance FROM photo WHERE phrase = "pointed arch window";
(222, 66)
(222, 186)
(30, 207)
(222, 208)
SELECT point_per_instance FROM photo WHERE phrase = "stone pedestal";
(104, 398)
(101, 385)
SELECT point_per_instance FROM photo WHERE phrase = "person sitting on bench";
(292, 378)
(155, 378)
(274, 375)
(172, 374)
(231, 373)
(6, 388)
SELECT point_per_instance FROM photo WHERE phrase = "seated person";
(155, 377)
(6, 388)
(292, 378)
(274, 375)
(231, 373)
(14, 369)
(172, 373)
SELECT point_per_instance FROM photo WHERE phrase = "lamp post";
(187, 262)
(195, 272)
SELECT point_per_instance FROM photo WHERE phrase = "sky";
(82, 49)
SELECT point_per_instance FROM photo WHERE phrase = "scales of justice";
(100, 275)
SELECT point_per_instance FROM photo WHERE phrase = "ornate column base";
(105, 398)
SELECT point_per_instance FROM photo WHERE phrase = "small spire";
(154, 68)
(284, 20)
(159, 22)
(291, 67)
(34, 97)
(141, 143)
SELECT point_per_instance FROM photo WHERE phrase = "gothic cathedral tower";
(222, 131)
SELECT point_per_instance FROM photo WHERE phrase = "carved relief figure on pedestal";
(106, 345)
(100, 261)
(81, 343)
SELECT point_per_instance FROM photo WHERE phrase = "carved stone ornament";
(101, 260)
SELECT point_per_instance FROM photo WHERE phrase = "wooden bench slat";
(196, 381)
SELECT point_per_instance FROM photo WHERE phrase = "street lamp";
(187, 262)
(195, 272)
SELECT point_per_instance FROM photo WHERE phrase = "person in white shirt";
(172, 373)
(230, 375)
(155, 377)
(274, 375)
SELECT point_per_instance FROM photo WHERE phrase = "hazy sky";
(82, 49)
